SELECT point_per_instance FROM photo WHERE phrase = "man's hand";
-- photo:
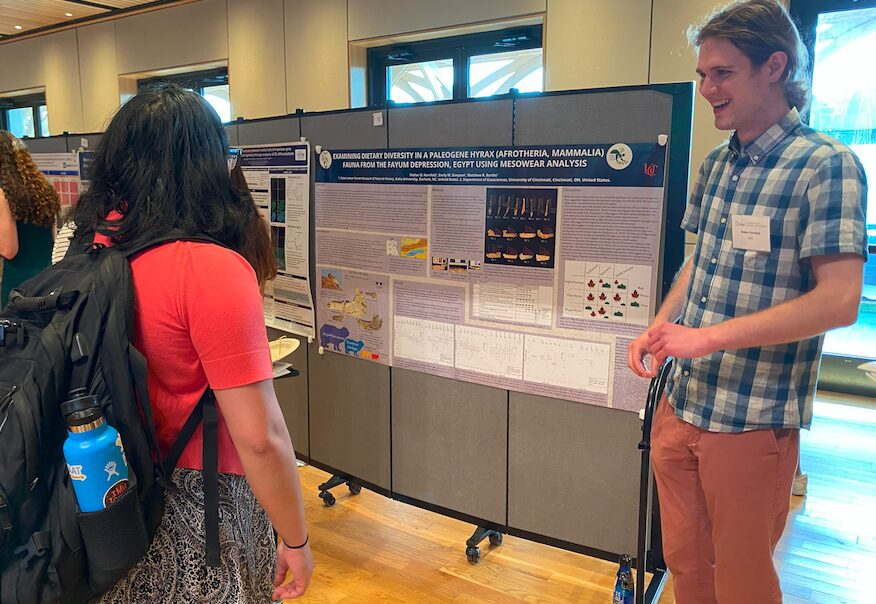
(636, 357)
(672, 340)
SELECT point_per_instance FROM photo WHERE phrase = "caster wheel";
(473, 554)
(495, 538)
(327, 498)
(355, 489)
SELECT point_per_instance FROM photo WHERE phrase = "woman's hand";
(300, 562)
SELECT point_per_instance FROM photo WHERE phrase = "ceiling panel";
(37, 14)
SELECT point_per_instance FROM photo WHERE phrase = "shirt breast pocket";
(755, 261)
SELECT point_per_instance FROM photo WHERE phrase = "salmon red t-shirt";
(198, 320)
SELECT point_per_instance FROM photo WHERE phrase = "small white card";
(750, 232)
(280, 369)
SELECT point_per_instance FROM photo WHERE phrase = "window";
(842, 39)
(476, 65)
(211, 84)
(25, 116)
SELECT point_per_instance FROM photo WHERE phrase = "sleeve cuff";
(239, 370)
(831, 250)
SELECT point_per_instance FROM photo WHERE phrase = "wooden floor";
(371, 549)
(828, 551)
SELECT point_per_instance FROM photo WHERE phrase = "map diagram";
(353, 324)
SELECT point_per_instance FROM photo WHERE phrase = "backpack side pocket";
(115, 539)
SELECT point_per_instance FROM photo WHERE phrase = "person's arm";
(669, 312)
(256, 425)
(8, 230)
(832, 303)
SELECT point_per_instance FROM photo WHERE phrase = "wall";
(256, 54)
(378, 18)
(183, 35)
(22, 64)
(289, 54)
(99, 71)
(49, 62)
(316, 55)
(595, 44)
(63, 88)
(673, 60)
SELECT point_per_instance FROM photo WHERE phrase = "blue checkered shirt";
(814, 191)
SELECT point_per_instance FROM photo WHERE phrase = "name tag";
(750, 232)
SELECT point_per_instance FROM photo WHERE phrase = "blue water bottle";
(624, 587)
(94, 454)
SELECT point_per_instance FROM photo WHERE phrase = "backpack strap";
(204, 411)
(140, 375)
(211, 478)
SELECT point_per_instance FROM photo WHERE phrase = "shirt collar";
(763, 144)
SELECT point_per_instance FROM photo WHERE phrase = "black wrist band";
(306, 539)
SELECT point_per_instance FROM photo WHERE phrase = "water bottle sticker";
(75, 472)
(111, 470)
(121, 449)
(114, 492)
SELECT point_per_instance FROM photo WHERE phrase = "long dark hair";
(162, 164)
(257, 247)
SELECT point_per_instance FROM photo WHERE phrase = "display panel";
(278, 176)
(526, 268)
(62, 172)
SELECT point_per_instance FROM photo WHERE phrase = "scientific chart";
(85, 158)
(62, 172)
(279, 178)
(527, 268)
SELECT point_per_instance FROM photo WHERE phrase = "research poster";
(279, 178)
(62, 172)
(526, 268)
(86, 163)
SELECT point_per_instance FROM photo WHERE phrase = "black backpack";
(69, 327)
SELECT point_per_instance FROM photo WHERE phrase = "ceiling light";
(18, 27)
(68, 14)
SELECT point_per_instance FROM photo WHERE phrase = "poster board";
(513, 267)
(62, 172)
(278, 176)
(85, 159)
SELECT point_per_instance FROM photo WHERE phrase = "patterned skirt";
(174, 569)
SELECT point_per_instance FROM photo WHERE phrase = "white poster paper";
(279, 177)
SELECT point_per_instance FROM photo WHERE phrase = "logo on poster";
(325, 159)
(619, 156)
(650, 169)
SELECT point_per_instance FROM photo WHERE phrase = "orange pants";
(724, 498)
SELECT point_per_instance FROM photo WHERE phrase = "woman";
(198, 320)
(28, 208)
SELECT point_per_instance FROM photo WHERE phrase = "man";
(781, 242)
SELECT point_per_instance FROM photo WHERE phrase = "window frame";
(195, 80)
(458, 48)
(806, 13)
(32, 101)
